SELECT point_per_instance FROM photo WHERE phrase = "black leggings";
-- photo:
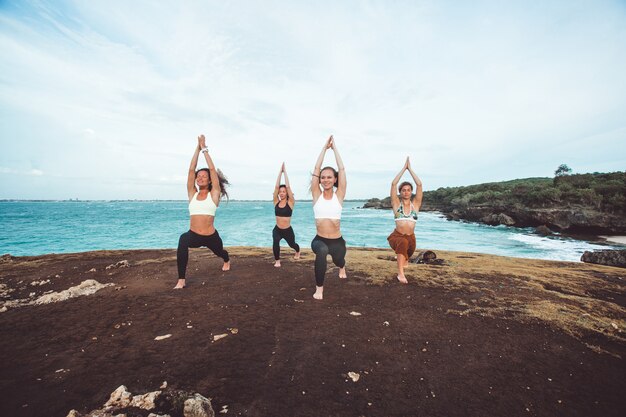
(194, 240)
(288, 235)
(322, 247)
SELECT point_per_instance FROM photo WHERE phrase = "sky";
(105, 99)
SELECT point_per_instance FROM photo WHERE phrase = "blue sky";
(105, 99)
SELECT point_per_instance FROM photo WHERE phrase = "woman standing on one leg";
(405, 209)
(283, 209)
(203, 203)
(327, 206)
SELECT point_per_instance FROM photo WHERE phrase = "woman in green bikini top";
(405, 209)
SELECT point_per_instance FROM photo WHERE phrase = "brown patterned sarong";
(402, 244)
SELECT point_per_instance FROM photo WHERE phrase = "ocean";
(40, 227)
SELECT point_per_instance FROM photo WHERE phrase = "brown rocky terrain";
(479, 335)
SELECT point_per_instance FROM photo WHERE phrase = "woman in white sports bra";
(327, 206)
(203, 203)
(405, 209)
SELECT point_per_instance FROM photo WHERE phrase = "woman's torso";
(405, 218)
(283, 214)
(202, 214)
(328, 216)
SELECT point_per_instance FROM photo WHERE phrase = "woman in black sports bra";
(283, 208)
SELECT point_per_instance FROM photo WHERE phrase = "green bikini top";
(400, 216)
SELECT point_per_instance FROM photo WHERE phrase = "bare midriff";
(405, 227)
(283, 222)
(328, 228)
(202, 224)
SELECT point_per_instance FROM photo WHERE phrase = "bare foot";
(277, 264)
(319, 293)
(297, 255)
(402, 279)
(342, 273)
(226, 266)
(180, 284)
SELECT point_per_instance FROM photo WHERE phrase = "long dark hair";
(222, 179)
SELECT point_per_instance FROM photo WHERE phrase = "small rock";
(606, 257)
(354, 313)
(198, 406)
(543, 230)
(92, 270)
(385, 323)
(234, 330)
(86, 287)
(219, 336)
(3, 309)
(614, 326)
(74, 413)
(298, 301)
(354, 376)
(146, 401)
(119, 398)
(122, 264)
(163, 385)
(224, 409)
(165, 336)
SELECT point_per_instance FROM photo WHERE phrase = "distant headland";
(591, 204)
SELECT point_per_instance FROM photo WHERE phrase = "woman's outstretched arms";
(395, 201)
(315, 178)
(341, 180)
(292, 199)
(215, 180)
(417, 200)
(277, 187)
(191, 176)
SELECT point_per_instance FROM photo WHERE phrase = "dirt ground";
(479, 336)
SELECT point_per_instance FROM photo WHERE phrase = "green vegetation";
(603, 192)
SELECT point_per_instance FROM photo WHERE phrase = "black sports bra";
(283, 211)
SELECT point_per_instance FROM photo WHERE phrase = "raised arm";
(417, 200)
(215, 180)
(191, 176)
(277, 187)
(341, 180)
(292, 199)
(395, 201)
(315, 178)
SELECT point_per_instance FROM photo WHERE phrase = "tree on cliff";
(563, 169)
(561, 172)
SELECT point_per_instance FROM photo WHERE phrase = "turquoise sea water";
(41, 227)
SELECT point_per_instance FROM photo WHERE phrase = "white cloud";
(473, 93)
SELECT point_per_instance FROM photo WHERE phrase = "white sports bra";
(204, 207)
(327, 209)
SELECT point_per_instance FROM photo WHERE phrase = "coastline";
(615, 239)
(410, 344)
